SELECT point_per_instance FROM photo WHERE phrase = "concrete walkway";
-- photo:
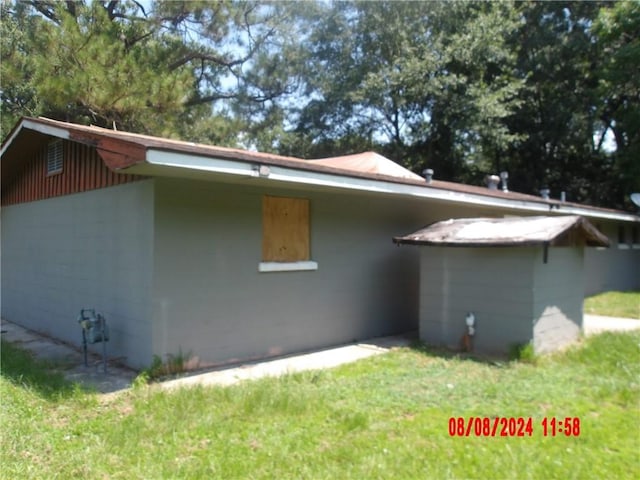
(68, 358)
(592, 324)
(331, 357)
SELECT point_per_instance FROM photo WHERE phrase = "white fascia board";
(306, 177)
(38, 127)
(200, 163)
(585, 212)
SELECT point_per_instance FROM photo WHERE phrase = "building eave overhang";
(124, 152)
(175, 162)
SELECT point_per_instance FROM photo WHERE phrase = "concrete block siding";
(613, 268)
(92, 250)
(210, 300)
(173, 265)
(515, 297)
(557, 298)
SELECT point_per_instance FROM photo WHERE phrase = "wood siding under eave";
(82, 170)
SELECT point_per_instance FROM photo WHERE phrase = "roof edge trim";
(244, 169)
(37, 127)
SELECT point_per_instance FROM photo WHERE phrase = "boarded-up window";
(285, 229)
(54, 157)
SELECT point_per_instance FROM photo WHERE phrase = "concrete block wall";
(85, 250)
(613, 268)
(496, 284)
(210, 300)
(557, 298)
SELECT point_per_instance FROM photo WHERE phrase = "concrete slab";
(328, 358)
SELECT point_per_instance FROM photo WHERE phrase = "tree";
(428, 83)
(167, 72)
(465, 88)
(617, 29)
(577, 88)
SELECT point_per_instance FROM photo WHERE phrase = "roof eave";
(331, 178)
(130, 153)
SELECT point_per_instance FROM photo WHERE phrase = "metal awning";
(506, 232)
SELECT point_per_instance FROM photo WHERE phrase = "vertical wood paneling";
(82, 170)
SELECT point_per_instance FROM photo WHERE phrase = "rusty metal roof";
(369, 162)
(511, 231)
(122, 150)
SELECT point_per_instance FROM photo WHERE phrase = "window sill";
(287, 266)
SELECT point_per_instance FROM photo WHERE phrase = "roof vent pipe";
(492, 181)
(428, 174)
(544, 193)
(563, 196)
(504, 176)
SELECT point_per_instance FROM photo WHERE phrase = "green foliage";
(618, 31)
(465, 88)
(382, 417)
(421, 81)
(115, 65)
(174, 364)
(523, 353)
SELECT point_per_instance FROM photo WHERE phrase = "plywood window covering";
(54, 157)
(285, 229)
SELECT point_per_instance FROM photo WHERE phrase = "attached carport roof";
(506, 232)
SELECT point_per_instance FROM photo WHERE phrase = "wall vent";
(54, 157)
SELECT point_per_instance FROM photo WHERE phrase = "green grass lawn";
(614, 304)
(382, 417)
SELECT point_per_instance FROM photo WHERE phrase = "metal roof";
(132, 153)
(369, 162)
(504, 232)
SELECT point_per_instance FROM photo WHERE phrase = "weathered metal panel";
(83, 170)
(509, 231)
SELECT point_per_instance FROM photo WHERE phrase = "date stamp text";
(513, 426)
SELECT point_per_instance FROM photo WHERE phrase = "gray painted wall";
(512, 293)
(210, 301)
(613, 268)
(87, 250)
(557, 298)
(173, 265)
(493, 283)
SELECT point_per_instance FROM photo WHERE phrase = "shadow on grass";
(449, 354)
(21, 368)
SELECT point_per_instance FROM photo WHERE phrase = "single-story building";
(225, 254)
(517, 280)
